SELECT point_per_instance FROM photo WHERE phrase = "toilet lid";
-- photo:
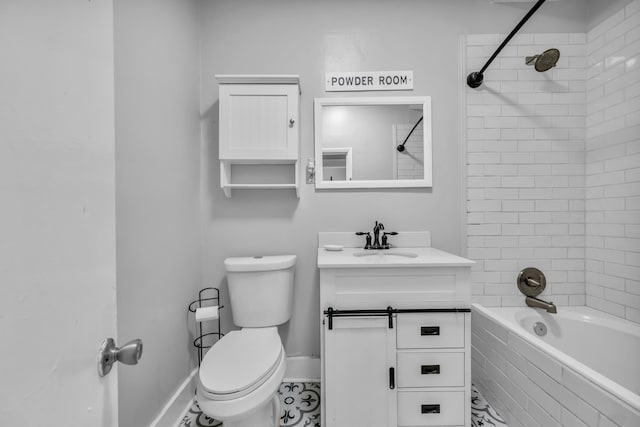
(240, 360)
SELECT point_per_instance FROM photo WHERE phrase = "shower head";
(545, 61)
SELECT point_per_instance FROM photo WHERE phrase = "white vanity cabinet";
(395, 338)
(259, 131)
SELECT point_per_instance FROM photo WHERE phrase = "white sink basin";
(385, 253)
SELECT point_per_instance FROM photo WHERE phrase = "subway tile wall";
(553, 167)
(526, 168)
(613, 164)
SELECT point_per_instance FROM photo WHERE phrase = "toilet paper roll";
(206, 313)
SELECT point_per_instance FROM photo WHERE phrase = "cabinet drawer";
(422, 408)
(431, 330)
(430, 369)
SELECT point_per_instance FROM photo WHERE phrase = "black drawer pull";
(429, 369)
(430, 330)
(392, 378)
(431, 409)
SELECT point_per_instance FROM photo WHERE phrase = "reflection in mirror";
(373, 142)
(337, 164)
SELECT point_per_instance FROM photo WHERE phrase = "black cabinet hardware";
(430, 369)
(392, 378)
(332, 313)
(429, 330)
(431, 409)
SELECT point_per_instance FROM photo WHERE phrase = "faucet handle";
(368, 238)
(385, 244)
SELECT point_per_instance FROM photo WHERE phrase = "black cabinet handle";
(392, 378)
(429, 369)
(429, 330)
(431, 409)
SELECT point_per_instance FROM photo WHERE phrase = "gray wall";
(310, 38)
(157, 80)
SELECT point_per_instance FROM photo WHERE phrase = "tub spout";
(538, 303)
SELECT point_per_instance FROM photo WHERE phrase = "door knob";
(129, 354)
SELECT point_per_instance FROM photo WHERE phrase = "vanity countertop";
(395, 257)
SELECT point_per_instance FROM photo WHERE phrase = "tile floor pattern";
(301, 408)
(482, 413)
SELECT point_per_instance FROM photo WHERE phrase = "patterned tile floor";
(301, 408)
(482, 413)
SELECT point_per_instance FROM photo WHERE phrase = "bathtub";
(583, 368)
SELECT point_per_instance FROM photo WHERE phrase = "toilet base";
(268, 415)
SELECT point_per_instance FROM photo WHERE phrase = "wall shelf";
(259, 175)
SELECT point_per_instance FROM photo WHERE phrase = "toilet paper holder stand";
(206, 309)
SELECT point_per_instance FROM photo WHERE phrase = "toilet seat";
(240, 362)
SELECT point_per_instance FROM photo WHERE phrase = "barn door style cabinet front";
(395, 337)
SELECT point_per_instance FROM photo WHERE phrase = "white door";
(57, 212)
(359, 372)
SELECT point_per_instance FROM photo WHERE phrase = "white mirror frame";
(426, 181)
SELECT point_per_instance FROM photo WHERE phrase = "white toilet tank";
(260, 289)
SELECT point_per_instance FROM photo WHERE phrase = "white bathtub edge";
(624, 395)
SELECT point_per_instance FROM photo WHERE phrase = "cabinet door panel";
(357, 358)
(258, 122)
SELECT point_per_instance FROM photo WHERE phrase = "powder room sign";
(368, 81)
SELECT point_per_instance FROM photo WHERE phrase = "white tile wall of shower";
(553, 167)
(525, 168)
(613, 164)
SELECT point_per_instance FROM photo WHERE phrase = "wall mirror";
(376, 142)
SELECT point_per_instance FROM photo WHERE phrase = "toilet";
(240, 375)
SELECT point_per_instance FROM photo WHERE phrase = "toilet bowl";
(240, 375)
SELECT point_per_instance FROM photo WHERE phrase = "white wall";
(309, 38)
(613, 164)
(158, 196)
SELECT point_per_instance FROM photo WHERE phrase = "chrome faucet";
(531, 283)
(538, 303)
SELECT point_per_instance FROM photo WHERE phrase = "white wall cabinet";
(259, 132)
(407, 365)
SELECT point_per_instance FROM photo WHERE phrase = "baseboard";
(302, 369)
(179, 404)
